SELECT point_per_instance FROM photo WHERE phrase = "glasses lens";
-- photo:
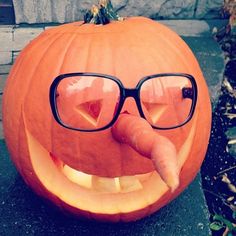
(87, 102)
(166, 101)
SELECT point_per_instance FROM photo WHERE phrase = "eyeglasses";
(92, 102)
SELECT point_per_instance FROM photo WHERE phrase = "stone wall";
(13, 38)
(47, 11)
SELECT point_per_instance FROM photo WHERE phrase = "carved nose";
(130, 107)
(124, 112)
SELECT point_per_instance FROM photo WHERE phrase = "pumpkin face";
(92, 174)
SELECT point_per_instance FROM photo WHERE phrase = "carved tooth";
(103, 184)
(129, 183)
(77, 177)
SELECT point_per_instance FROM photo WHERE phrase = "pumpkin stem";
(101, 14)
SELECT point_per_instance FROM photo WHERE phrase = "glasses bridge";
(130, 92)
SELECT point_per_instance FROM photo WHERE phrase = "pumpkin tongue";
(137, 133)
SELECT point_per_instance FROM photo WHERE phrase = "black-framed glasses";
(92, 102)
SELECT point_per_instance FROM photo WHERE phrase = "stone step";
(45, 11)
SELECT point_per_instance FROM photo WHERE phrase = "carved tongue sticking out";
(137, 133)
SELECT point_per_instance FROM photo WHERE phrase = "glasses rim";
(124, 93)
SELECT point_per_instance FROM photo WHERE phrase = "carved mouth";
(93, 193)
(98, 194)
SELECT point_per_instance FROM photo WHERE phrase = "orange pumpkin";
(93, 174)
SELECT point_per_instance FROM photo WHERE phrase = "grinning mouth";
(66, 183)
(98, 194)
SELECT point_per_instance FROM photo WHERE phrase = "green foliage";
(219, 222)
(216, 226)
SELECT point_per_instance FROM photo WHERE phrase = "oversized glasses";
(92, 102)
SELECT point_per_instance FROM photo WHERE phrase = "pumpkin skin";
(40, 147)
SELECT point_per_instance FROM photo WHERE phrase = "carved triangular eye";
(154, 110)
(91, 110)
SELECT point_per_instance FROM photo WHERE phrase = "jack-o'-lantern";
(88, 110)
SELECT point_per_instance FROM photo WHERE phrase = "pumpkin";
(93, 174)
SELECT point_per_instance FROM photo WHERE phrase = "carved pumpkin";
(93, 174)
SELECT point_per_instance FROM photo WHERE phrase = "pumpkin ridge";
(172, 47)
(88, 53)
(35, 69)
(160, 67)
(111, 56)
(19, 161)
(181, 58)
(13, 72)
(26, 95)
(191, 136)
(67, 49)
(89, 43)
(63, 58)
